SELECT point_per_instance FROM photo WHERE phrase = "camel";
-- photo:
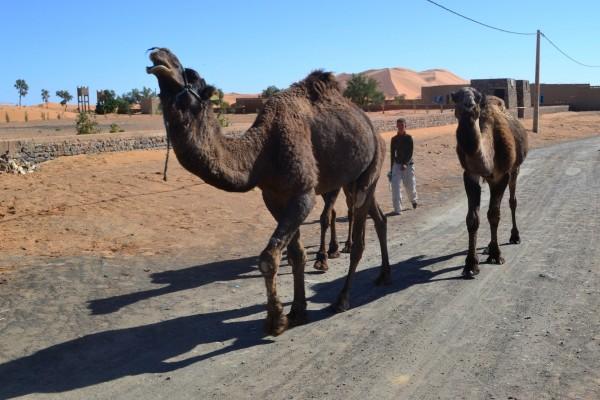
(491, 144)
(327, 220)
(308, 140)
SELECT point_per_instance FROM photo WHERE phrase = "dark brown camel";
(308, 140)
(327, 220)
(491, 144)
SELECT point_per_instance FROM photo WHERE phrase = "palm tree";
(45, 97)
(22, 88)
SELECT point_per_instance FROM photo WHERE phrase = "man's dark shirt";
(402, 149)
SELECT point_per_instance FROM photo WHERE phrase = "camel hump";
(495, 101)
(319, 83)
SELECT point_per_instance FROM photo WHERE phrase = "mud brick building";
(504, 88)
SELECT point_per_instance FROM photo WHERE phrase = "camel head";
(181, 86)
(468, 102)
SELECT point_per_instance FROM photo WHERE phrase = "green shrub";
(115, 128)
(223, 121)
(86, 124)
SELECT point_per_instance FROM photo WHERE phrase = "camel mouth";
(158, 69)
(164, 64)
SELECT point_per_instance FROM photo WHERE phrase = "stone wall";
(40, 151)
(414, 121)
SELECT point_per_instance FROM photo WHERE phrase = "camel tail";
(369, 177)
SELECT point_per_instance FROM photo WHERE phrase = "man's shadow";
(109, 355)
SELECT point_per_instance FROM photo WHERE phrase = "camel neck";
(468, 134)
(228, 163)
(474, 140)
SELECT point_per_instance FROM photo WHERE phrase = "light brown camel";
(308, 140)
(491, 144)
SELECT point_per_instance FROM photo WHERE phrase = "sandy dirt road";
(164, 326)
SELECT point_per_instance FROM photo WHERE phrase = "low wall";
(414, 121)
(37, 151)
(43, 149)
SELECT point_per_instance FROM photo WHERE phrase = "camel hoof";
(276, 326)
(347, 248)
(321, 265)
(470, 272)
(333, 254)
(514, 236)
(383, 280)
(340, 306)
(495, 260)
(297, 318)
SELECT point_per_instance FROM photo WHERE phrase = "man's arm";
(392, 154)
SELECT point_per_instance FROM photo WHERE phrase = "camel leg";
(297, 258)
(358, 246)
(493, 214)
(515, 238)
(329, 198)
(348, 246)
(473, 190)
(334, 246)
(289, 219)
(385, 276)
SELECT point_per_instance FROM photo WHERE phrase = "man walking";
(402, 167)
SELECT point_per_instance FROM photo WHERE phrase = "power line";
(566, 55)
(515, 33)
(480, 23)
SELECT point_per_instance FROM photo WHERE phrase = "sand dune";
(402, 81)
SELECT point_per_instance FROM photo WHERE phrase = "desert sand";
(50, 111)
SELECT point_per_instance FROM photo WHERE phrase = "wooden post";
(536, 102)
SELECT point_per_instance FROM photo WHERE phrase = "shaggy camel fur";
(491, 144)
(308, 140)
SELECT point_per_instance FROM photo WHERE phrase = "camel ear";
(482, 99)
(454, 96)
(207, 92)
(194, 78)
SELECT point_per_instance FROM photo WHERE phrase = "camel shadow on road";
(163, 347)
(405, 274)
(178, 280)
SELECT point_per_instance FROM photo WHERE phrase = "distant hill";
(397, 81)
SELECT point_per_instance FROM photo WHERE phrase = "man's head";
(401, 125)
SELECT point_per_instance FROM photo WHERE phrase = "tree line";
(108, 102)
(23, 89)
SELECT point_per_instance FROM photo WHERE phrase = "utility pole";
(536, 102)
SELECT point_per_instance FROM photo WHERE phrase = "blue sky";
(245, 46)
